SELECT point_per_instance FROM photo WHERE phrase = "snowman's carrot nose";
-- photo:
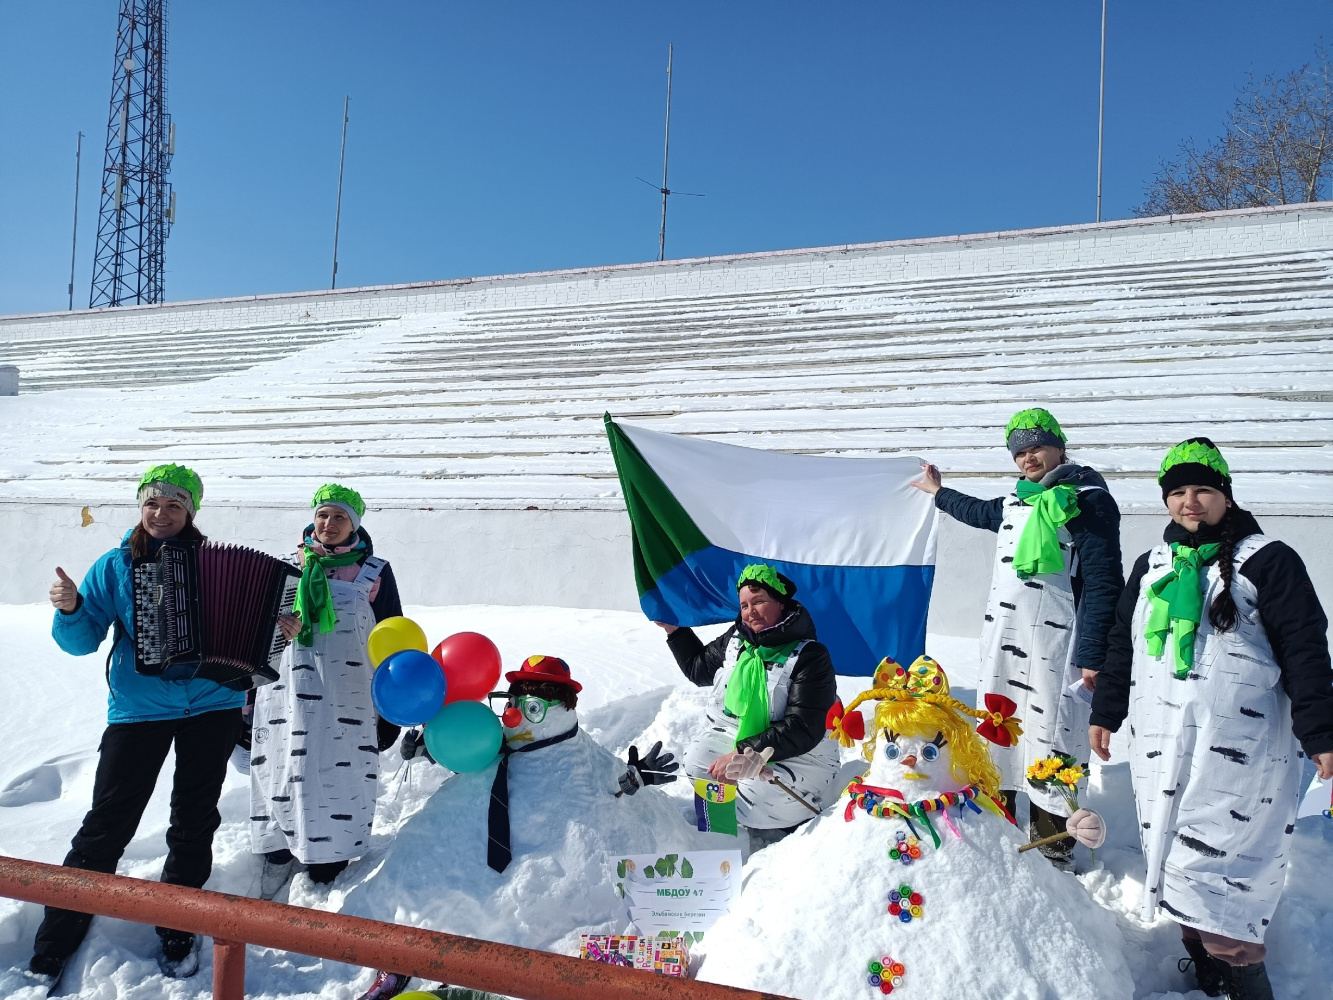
(909, 760)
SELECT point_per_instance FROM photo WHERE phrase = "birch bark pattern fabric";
(314, 773)
(1027, 654)
(761, 805)
(854, 536)
(1215, 765)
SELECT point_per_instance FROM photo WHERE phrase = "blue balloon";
(408, 687)
(464, 736)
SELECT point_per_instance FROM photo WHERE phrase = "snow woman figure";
(773, 684)
(1219, 659)
(1057, 577)
(314, 768)
(146, 717)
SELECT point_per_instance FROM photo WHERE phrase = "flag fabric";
(852, 534)
(715, 806)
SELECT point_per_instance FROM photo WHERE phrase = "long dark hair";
(140, 539)
(1222, 612)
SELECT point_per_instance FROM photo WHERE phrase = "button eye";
(930, 751)
(891, 751)
(534, 710)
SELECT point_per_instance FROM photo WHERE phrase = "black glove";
(655, 768)
(413, 745)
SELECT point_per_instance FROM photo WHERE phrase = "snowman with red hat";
(518, 852)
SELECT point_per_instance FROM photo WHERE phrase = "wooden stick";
(1045, 840)
(802, 801)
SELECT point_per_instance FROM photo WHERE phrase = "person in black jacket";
(1219, 659)
(773, 685)
(1057, 577)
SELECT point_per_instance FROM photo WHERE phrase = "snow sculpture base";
(1000, 925)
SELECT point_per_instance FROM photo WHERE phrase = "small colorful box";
(667, 956)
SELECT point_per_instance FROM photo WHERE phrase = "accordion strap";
(370, 571)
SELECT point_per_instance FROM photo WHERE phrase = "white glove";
(748, 764)
(1088, 828)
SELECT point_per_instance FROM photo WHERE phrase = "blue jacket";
(107, 593)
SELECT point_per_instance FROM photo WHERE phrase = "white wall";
(577, 559)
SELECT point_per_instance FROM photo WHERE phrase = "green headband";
(1195, 453)
(762, 573)
(186, 486)
(333, 493)
(1032, 419)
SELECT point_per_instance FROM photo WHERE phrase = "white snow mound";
(566, 829)
(998, 925)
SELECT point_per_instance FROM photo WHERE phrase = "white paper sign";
(1316, 801)
(682, 893)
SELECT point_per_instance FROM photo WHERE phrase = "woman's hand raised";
(64, 592)
(930, 481)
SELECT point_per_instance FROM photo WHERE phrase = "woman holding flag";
(1054, 588)
(1224, 642)
(773, 685)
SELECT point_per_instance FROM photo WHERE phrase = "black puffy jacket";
(1098, 575)
(812, 691)
(1293, 620)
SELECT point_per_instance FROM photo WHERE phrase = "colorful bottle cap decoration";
(905, 904)
(885, 974)
(906, 848)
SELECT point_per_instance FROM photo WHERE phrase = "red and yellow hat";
(544, 670)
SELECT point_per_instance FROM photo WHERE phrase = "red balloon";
(471, 665)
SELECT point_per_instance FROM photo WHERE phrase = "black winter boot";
(1247, 982)
(1207, 970)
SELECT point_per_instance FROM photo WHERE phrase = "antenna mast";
(666, 153)
(74, 243)
(338, 212)
(137, 204)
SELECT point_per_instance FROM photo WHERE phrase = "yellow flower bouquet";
(1061, 773)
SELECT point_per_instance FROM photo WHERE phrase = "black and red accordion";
(211, 611)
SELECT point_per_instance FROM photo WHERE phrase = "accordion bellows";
(210, 611)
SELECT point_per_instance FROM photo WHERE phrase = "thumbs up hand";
(64, 592)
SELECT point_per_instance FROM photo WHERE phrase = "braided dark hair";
(1222, 612)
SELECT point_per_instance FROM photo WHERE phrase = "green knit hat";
(766, 577)
(1194, 462)
(1032, 427)
(333, 495)
(175, 482)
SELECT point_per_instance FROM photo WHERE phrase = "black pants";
(1043, 824)
(132, 754)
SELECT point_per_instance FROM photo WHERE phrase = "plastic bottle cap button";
(886, 988)
(876, 968)
(905, 889)
(905, 917)
(916, 911)
(875, 980)
(895, 909)
(895, 895)
(915, 899)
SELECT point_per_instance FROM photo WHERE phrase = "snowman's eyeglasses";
(533, 708)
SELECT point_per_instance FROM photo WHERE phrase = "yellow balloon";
(418, 995)
(392, 636)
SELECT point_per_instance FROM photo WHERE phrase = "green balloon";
(464, 736)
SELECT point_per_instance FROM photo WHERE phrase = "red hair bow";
(845, 727)
(1001, 728)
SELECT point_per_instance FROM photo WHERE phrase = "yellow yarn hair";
(903, 712)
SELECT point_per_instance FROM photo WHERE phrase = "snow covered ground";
(632, 693)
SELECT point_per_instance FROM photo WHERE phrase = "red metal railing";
(233, 921)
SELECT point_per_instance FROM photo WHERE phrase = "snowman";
(518, 852)
(913, 884)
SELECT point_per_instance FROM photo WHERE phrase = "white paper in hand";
(1316, 801)
(1080, 691)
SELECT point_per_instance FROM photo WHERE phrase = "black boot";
(1207, 970)
(1247, 982)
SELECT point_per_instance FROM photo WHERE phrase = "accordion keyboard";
(147, 616)
(288, 601)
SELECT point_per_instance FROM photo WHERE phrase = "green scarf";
(1177, 606)
(747, 687)
(314, 601)
(1038, 549)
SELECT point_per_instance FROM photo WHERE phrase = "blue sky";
(505, 136)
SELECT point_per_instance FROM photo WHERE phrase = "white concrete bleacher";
(488, 398)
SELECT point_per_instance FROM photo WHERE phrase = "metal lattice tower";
(138, 205)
